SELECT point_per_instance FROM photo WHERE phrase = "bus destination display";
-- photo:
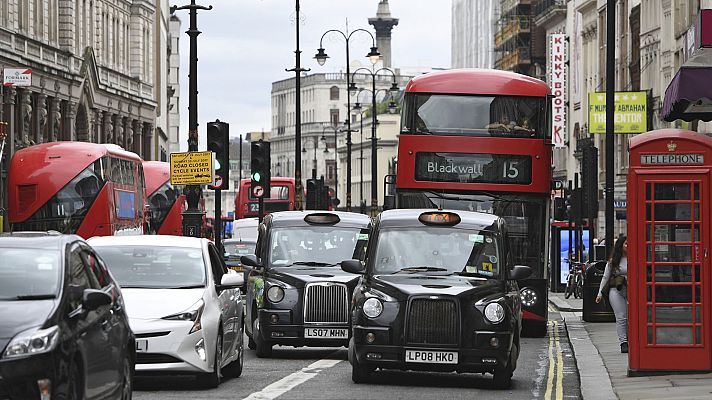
(473, 168)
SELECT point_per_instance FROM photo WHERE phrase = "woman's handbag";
(617, 282)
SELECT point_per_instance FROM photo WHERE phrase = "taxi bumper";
(276, 327)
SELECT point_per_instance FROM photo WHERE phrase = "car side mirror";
(352, 266)
(520, 272)
(251, 260)
(93, 299)
(231, 281)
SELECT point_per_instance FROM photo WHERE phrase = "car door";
(255, 281)
(227, 299)
(111, 319)
(91, 338)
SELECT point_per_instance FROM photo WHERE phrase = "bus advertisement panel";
(480, 140)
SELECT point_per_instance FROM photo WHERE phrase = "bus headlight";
(494, 312)
(529, 297)
(372, 307)
(275, 294)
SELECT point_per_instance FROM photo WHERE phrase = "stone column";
(25, 119)
(70, 121)
(91, 131)
(137, 137)
(147, 141)
(128, 133)
(108, 127)
(98, 125)
(118, 130)
(10, 97)
(55, 120)
(41, 119)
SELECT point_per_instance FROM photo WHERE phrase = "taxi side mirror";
(250, 260)
(352, 266)
(520, 272)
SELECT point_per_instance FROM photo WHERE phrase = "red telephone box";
(669, 235)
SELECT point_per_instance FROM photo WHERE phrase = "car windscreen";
(158, 267)
(29, 273)
(239, 248)
(445, 250)
(316, 245)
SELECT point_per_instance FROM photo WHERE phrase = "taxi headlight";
(275, 294)
(494, 312)
(372, 307)
(529, 297)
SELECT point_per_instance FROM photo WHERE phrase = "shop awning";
(689, 95)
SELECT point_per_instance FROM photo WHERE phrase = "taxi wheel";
(503, 376)
(359, 372)
(262, 349)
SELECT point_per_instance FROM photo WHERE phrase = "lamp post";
(336, 156)
(315, 142)
(374, 122)
(298, 114)
(358, 109)
(321, 57)
(192, 217)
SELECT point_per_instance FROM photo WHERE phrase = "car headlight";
(33, 341)
(494, 312)
(275, 294)
(372, 307)
(193, 313)
(529, 297)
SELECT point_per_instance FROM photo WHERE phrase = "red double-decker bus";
(481, 140)
(282, 196)
(165, 202)
(76, 187)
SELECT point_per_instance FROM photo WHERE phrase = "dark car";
(63, 329)
(297, 294)
(438, 293)
(236, 248)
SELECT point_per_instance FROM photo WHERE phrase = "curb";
(594, 378)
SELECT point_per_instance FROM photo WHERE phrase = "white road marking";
(289, 382)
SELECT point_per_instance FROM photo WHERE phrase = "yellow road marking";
(550, 378)
(555, 379)
(559, 366)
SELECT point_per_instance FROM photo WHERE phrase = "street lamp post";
(192, 217)
(321, 57)
(298, 114)
(336, 156)
(374, 123)
(360, 111)
(315, 142)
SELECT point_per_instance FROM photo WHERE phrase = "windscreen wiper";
(35, 297)
(423, 269)
(314, 264)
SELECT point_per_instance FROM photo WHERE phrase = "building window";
(334, 93)
(334, 116)
(330, 170)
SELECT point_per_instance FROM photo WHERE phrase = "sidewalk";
(597, 351)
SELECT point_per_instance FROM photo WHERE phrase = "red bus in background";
(76, 187)
(480, 140)
(165, 203)
(281, 199)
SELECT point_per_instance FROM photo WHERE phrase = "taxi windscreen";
(438, 250)
(316, 245)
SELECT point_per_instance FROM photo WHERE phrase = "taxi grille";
(433, 322)
(326, 302)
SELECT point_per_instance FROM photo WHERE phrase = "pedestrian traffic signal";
(589, 172)
(219, 143)
(260, 169)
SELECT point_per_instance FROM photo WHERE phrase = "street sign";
(258, 191)
(192, 168)
(17, 77)
(217, 185)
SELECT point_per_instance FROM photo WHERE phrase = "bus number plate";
(431, 357)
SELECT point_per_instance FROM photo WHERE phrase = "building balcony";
(547, 10)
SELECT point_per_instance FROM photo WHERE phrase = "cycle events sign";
(631, 112)
(556, 76)
(473, 168)
(192, 168)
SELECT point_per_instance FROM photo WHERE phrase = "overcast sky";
(246, 45)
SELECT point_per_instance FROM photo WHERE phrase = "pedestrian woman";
(616, 279)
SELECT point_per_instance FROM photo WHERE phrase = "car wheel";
(234, 369)
(262, 348)
(75, 386)
(127, 382)
(212, 379)
(359, 372)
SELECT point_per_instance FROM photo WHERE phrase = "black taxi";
(297, 294)
(438, 293)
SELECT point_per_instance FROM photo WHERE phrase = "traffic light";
(311, 194)
(219, 143)
(260, 165)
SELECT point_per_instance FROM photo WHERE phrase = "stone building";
(98, 73)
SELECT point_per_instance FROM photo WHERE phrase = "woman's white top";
(623, 270)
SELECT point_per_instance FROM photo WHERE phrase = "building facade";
(97, 73)
(473, 32)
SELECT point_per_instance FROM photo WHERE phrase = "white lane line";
(289, 382)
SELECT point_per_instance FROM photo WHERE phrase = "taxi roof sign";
(439, 218)
(192, 168)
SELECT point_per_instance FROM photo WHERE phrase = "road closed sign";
(192, 168)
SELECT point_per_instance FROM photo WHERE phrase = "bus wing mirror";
(520, 272)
